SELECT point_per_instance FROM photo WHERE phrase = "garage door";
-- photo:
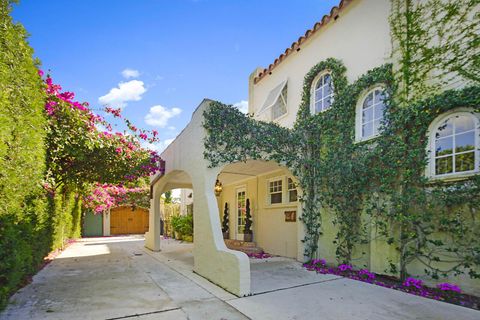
(124, 220)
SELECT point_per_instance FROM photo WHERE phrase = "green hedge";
(32, 223)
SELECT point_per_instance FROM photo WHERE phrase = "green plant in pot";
(247, 233)
(225, 224)
(176, 226)
(186, 227)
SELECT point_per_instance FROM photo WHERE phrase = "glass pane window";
(323, 93)
(280, 106)
(373, 108)
(454, 145)
(241, 211)
(275, 191)
(292, 191)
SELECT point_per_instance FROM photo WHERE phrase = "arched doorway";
(267, 192)
(186, 167)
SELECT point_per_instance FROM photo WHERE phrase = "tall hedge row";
(32, 223)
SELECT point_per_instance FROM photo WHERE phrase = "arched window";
(322, 93)
(454, 144)
(370, 110)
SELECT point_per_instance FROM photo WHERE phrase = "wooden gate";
(124, 220)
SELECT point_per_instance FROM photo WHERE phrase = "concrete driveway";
(116, 278)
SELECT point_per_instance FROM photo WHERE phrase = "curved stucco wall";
(212, 259)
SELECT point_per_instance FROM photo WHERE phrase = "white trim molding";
(374, 118)
(453, 136)
(313, 92)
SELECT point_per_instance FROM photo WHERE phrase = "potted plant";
(186, 227)
(225, 225)
(176, 226)
(247, 233)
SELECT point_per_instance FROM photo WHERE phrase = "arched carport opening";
(272, 195)
(176, 209)
(211, 258)
(176, 179)
(270, 191)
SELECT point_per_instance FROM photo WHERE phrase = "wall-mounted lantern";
(218, 188)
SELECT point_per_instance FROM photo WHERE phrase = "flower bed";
(446, 292)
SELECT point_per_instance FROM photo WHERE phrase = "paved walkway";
(116, 278)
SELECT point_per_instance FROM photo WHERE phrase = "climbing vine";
(377, 189)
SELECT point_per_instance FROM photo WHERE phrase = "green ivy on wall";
(383, 177)
(379, 184)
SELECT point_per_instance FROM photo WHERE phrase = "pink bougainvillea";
(98, 162)
(106, 196)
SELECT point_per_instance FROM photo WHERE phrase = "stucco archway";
(185, 167)
(275, 224)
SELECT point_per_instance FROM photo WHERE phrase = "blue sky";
(183, 50)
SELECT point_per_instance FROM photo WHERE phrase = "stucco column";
(212, 259)
(152, 236)
(106, 223)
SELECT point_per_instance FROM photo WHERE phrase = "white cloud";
(130, 73)
(159, 146)
(242, 106)
(166, 143)
(176, 193)
(159, 115)
(126, 91)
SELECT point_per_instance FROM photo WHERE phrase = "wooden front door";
(125, 221)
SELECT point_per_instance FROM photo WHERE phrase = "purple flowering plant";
(449, 287)
(443, 291)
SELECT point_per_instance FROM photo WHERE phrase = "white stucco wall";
(187, 168)
(360, 38)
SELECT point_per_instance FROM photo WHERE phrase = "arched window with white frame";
(369, 114)
(322, 93)
(454, 145)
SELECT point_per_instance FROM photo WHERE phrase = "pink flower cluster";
(117, 113)
(125, 146)
(412, 282)
(55, 96)
(106, 196)
(262, 255)
(449, 287)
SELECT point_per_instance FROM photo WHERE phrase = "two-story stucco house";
(357, 33)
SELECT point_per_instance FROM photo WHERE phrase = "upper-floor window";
(276, 102)
(322, 96)
(275, 191)
(370, 112)
(454, 145)
(279, 108)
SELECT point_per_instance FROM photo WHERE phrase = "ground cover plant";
(446, 292)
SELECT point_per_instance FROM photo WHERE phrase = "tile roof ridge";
(296, 45)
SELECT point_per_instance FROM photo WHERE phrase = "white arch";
(186, 167)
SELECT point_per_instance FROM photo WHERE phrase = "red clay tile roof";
(296, 45)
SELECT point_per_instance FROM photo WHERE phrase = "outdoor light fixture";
(218, 188)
